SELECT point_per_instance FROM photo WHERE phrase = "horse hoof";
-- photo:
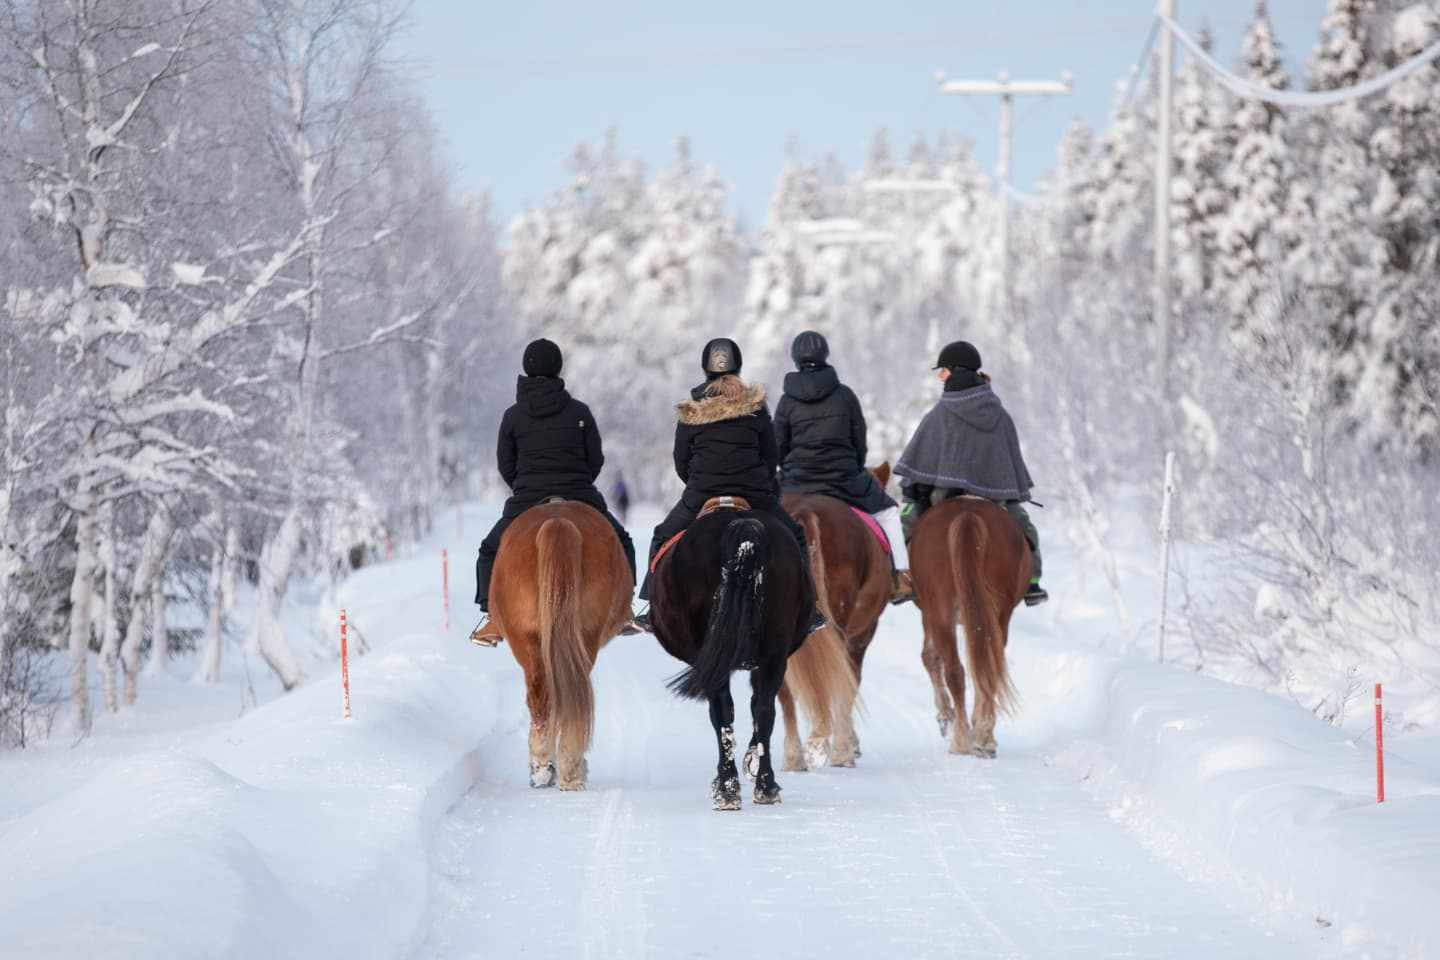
(765, 797)
(725, 793)
(987, 753)
(846, 762)
(817, 754)
(944, 726)
(752, 763)
(542, 775)
(572, 785)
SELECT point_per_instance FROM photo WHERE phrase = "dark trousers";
(689, 507)
(515, 506)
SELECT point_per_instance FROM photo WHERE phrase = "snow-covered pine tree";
(1198, 195)
(1257, 234)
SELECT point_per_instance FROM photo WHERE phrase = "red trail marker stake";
(1379, 748)
(345, 662)
(445, 585)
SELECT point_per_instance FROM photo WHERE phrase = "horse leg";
(764, 684)
(940, 635)
(858, 646)
(985, 745)
(542, 737)
(944, 712)
(794, 756)
(725, 788)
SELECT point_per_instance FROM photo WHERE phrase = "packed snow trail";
(913, 854)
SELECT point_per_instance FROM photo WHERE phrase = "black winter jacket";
(820, 432)
(725, 446)
(549, 445)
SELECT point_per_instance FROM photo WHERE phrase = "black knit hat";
(720, 357)
(810, 347)
(542, 359)
(959, 356)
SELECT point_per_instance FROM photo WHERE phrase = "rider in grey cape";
(967, 444)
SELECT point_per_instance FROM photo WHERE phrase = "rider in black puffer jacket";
(820, 429)
(549, 446)
(724, 446)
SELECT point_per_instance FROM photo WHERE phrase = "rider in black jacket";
(549, 446)
(724, 446)
(820, 430)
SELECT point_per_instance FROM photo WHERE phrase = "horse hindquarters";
(566, 660)
(737, 614)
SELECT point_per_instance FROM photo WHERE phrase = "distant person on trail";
(820, 431)
(724, 446)
(549, 446)
(620, 496)
(967, 444)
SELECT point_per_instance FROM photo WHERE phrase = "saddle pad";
(869, 521)
(713, 505)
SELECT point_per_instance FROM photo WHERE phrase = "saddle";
(713, 505)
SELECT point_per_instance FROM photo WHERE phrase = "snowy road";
(913, 854)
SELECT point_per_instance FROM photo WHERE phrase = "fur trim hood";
(717, 407)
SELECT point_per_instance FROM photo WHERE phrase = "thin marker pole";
(445, 585)
(345, 661)
(1379, 748)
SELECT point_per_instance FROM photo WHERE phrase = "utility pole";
(1161, 280)
(1007, 90)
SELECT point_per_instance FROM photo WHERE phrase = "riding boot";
(902, 589)
(486, 633)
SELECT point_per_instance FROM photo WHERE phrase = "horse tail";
(737, 613)
(820, 674)
(979, 611)
(562, 645)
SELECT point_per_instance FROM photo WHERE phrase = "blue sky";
(514, 86)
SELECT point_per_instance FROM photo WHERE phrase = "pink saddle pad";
(869, 521)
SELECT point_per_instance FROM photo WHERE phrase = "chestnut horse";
(853, 581)
(968, 560)
(561, 591)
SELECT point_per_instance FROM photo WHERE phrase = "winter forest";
(259, 326)
(252, 332)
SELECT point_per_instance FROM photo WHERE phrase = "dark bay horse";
(852, 576)
(732, 595)
(969, 561)
(556, 619)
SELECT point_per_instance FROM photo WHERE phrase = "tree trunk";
(215, 636)
(82, 593)
(152, 552)
(110, 632)
(159, 628)
(267, 637)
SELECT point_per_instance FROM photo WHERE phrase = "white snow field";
(1134, 810)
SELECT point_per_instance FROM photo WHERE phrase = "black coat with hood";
(820, 432)
(725, 445)
(549, 445)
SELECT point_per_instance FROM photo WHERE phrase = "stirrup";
(902, 588)
(485, 635)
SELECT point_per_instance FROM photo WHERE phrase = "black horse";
(733, 595)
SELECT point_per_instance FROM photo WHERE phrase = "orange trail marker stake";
(445, 585)
(1379, 749)
(345, 662)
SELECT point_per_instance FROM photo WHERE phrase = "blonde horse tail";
(979, 611)
(820, 674)
(562, 645)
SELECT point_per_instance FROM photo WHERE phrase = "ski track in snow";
(913, 854)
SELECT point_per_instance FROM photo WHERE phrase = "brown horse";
(853, 583)
(969, 560)
(557, 619)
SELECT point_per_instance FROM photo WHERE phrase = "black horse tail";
(737, 613)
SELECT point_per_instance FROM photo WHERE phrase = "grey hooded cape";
(967, 442)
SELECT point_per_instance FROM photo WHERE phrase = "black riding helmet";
(721, 357)
(810, 349)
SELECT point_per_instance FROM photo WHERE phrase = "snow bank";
(1227, 781)
(291, 834)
